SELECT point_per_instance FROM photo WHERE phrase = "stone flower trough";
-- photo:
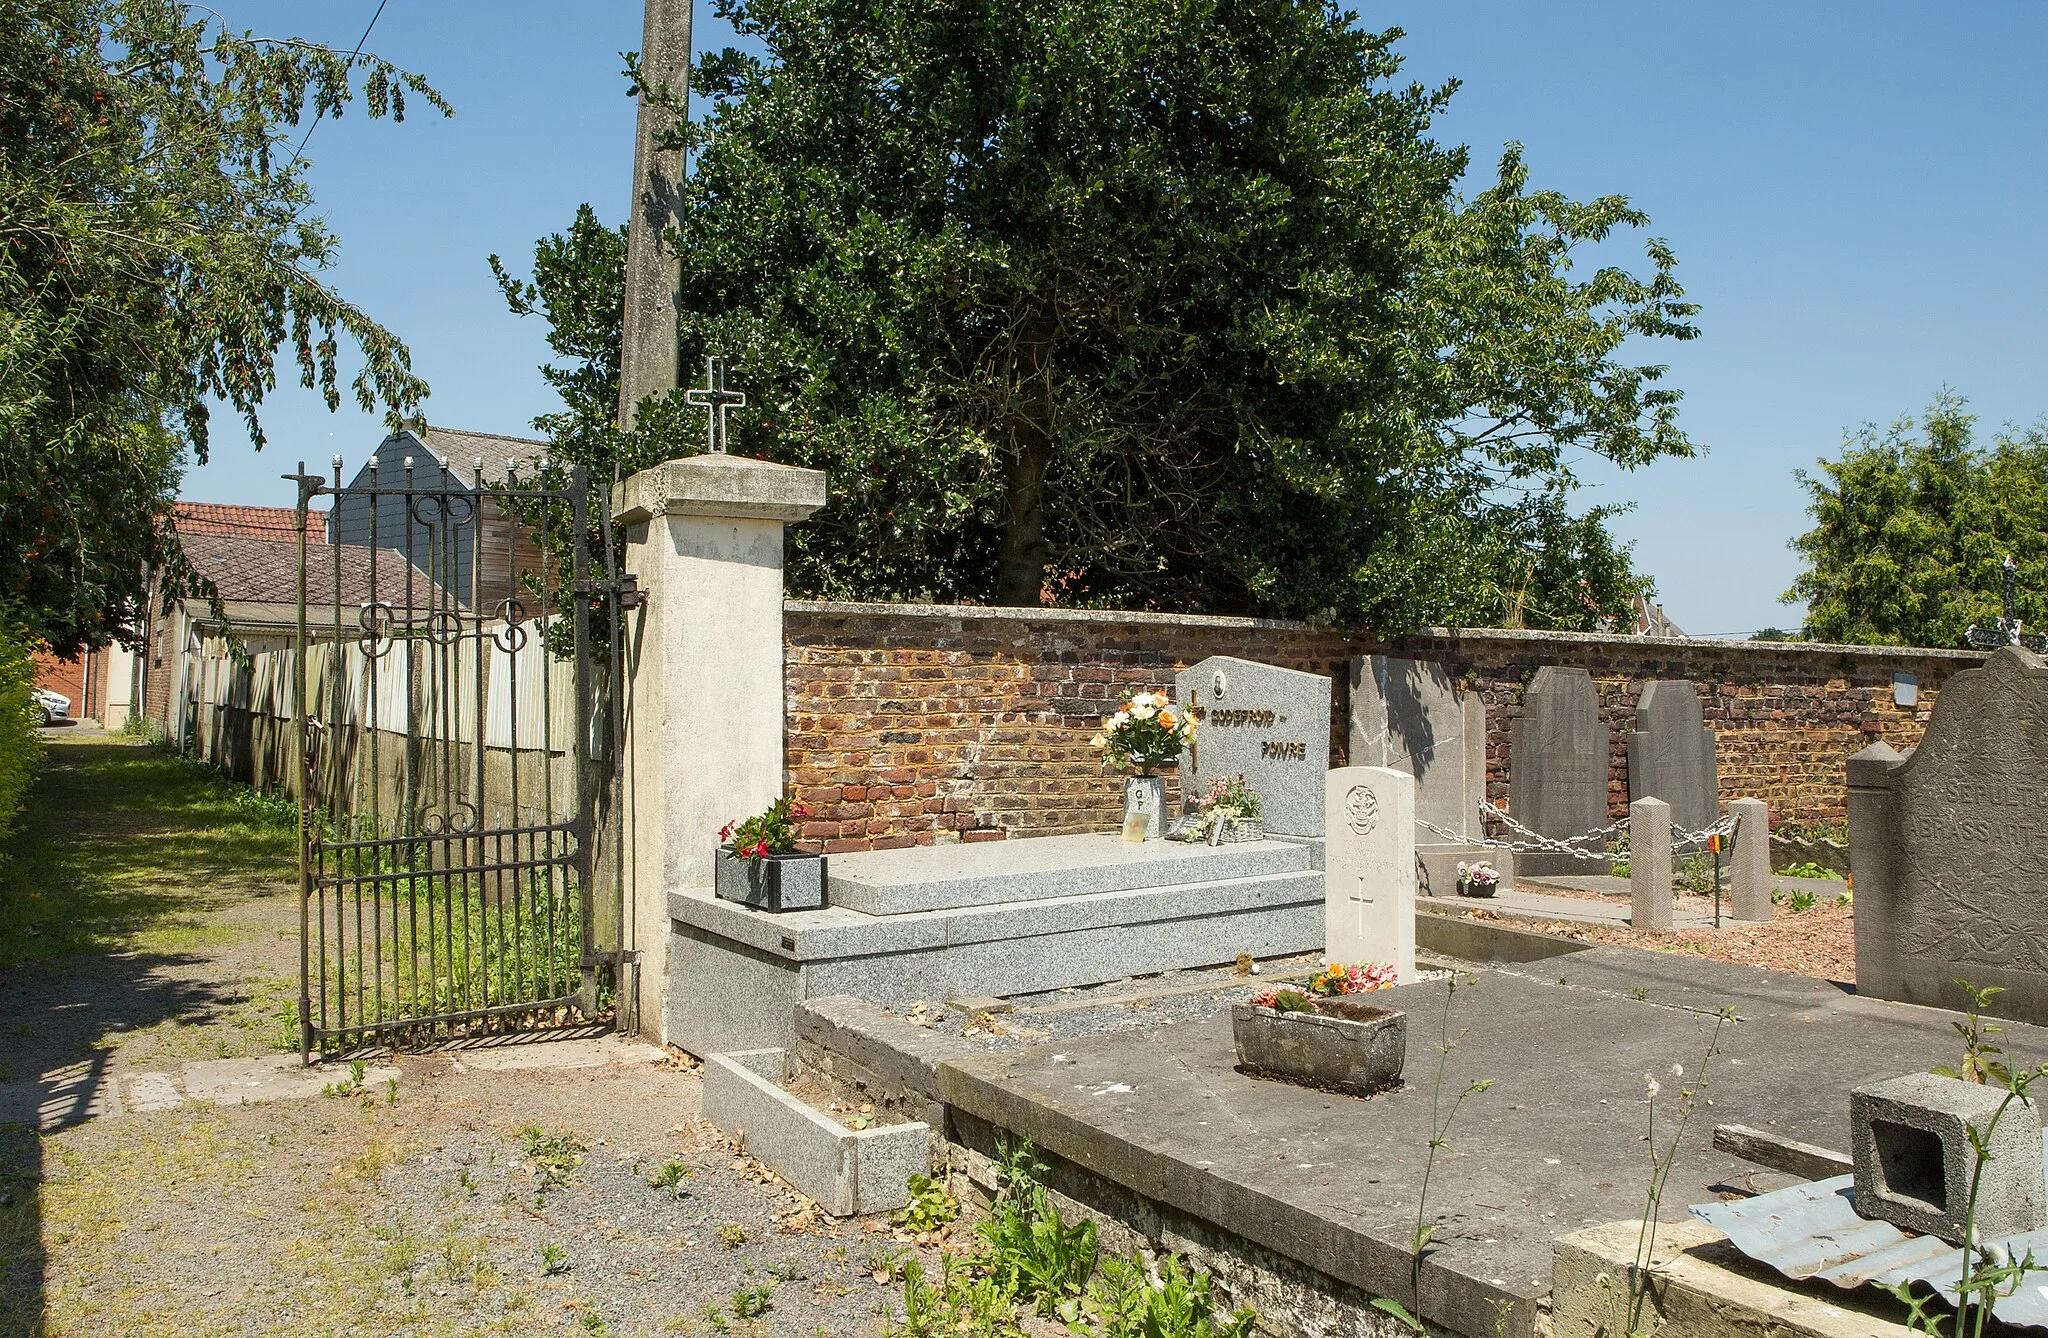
(848, 1171)
(1345, 1045)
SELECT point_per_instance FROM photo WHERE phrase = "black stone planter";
(1347, 1045)
(1468, 888)
(772, 882)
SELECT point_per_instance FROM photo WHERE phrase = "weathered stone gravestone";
(1949, 851)
(1411, 716)
(1671, 755)
(1369, 868)
(1268, 723)
(1558, 774)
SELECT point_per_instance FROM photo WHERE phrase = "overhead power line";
(351, 60)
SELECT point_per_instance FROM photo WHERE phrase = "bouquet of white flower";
(1146, 732)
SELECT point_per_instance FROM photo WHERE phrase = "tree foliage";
(1158, 303)
(1912, 526)
(159, 249)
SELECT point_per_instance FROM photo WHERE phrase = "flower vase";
(1144, 808)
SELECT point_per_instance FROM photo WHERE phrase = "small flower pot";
(1346, 1045)
(1468, 888)
(772, 882)
(1144, 808)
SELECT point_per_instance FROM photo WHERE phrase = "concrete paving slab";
(251, 1082)
(147, 1093)
(1556, 1145)
(583, 1052)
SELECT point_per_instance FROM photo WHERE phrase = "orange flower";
(1169, 721)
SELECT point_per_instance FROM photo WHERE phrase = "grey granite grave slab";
(1949, 850)
(1269, 724)
(1409, 715)
(1671, 754)
(735, 974)
(930, 878)
(1555, 1144)
(1558, 772)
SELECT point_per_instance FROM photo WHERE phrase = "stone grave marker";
(1410, 715)
(1268, 723)
(1671, 755)
(1558, 775)
(1948, 848)
(1369, 868)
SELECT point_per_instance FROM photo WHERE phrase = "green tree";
(1912, 526)
(1156, 304)
(160, 248)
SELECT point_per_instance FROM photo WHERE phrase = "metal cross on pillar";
(716, 400)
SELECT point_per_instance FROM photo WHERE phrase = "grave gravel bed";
(1132, 1004)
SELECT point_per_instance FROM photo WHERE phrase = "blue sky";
(1855, 194)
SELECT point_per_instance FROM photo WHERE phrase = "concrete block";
(1914, 1162)
(1649, 864)
(1752, 878)
(1436, 866)
(850, 1172)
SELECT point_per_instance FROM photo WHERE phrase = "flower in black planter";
(772, 832)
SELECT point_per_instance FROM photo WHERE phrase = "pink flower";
(725, 832)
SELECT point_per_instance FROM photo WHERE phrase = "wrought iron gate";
(457, 763)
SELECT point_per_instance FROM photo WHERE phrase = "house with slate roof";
(446, 459)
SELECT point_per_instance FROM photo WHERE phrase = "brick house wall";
(914, 724)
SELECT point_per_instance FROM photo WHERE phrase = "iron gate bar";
(495, 877)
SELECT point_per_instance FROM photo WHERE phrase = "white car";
(50, 706)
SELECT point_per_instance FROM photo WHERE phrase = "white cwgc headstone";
(1267, 724)
(1369, 868)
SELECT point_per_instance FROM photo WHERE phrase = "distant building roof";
(458, 451)
(266, 570)
(1650, 620)
(251, 522)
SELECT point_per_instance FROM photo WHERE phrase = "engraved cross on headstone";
(1360, 900)
(716, 400)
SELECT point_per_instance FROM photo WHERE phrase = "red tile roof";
(252, 522)
(266, 570)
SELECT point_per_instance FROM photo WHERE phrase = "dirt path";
(147, 935)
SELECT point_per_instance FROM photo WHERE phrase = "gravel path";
(426, 1207)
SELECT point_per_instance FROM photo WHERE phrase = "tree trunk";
(1020, 559)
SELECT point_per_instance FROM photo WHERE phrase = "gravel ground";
(1132, 1004)
(424, 1209)
(1820, 942)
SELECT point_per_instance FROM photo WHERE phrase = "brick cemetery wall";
(914, 724)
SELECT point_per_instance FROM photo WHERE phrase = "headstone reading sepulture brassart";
(1671, 755)
(1949, 850)
(1369, 868)
(1558, 769)
(1268, 724)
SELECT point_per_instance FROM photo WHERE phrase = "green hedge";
(21, 747)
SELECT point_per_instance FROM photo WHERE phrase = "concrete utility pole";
(648, 356)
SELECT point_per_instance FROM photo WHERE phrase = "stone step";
(937, 878)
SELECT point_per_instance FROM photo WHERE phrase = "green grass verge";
(125, 847)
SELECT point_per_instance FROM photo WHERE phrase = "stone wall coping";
(1116, 617)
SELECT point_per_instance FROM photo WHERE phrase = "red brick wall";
(65, 676)
(912, 724)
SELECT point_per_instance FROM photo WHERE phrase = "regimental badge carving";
(1361, 810)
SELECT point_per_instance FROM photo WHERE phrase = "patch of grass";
(125, 847)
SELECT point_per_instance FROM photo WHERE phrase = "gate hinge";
(626, 588)
(630, 957)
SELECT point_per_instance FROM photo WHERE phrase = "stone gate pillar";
(705, 701)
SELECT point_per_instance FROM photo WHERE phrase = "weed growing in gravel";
(788, 1270)
(670, 1177)
(752, 1302)
(732, 1235)
(554, 1260)
(553, 1157)
(930, 1207)
(350, 1085)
